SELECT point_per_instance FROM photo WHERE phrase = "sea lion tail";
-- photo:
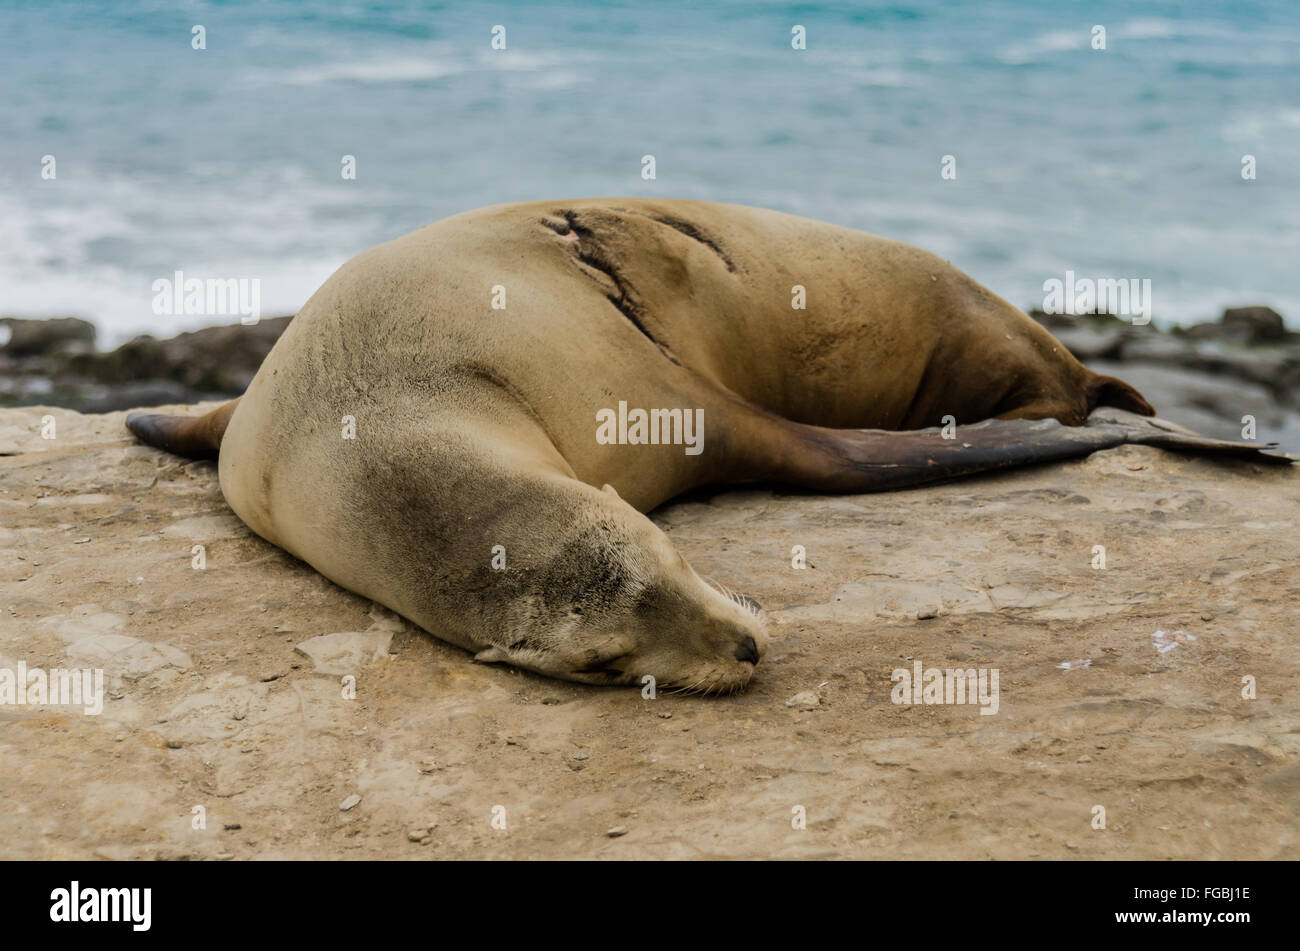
(195, 437)
(1110, 391)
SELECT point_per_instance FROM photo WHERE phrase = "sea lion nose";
(748, 650)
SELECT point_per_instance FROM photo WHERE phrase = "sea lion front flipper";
(872, 460)
(492, 655)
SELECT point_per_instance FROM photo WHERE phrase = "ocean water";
(225, 162)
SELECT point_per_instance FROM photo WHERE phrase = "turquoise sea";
(225, 162)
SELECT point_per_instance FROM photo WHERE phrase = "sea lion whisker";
(693, 687)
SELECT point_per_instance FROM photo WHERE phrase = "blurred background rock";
(54, 363)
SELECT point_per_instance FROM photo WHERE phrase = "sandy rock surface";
(228, 686)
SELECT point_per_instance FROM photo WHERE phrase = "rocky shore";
(1207, 376)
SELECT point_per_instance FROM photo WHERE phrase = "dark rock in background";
(1254, 324)
(212, 360)
(53, 362)
(39, 338)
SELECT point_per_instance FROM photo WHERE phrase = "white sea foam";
(427, 64)
(1255, 128)
(61, 258)
(1044, 47)
(1153, 28)
(372, 71)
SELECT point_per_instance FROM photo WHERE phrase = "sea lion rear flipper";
(195, 437)
(1154, 431)
(1111, 391)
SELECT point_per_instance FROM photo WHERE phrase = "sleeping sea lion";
(466, 424)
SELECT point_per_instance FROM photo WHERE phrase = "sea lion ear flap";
(611, 490)
(1109, 391)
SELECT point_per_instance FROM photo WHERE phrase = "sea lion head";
(617, 603)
